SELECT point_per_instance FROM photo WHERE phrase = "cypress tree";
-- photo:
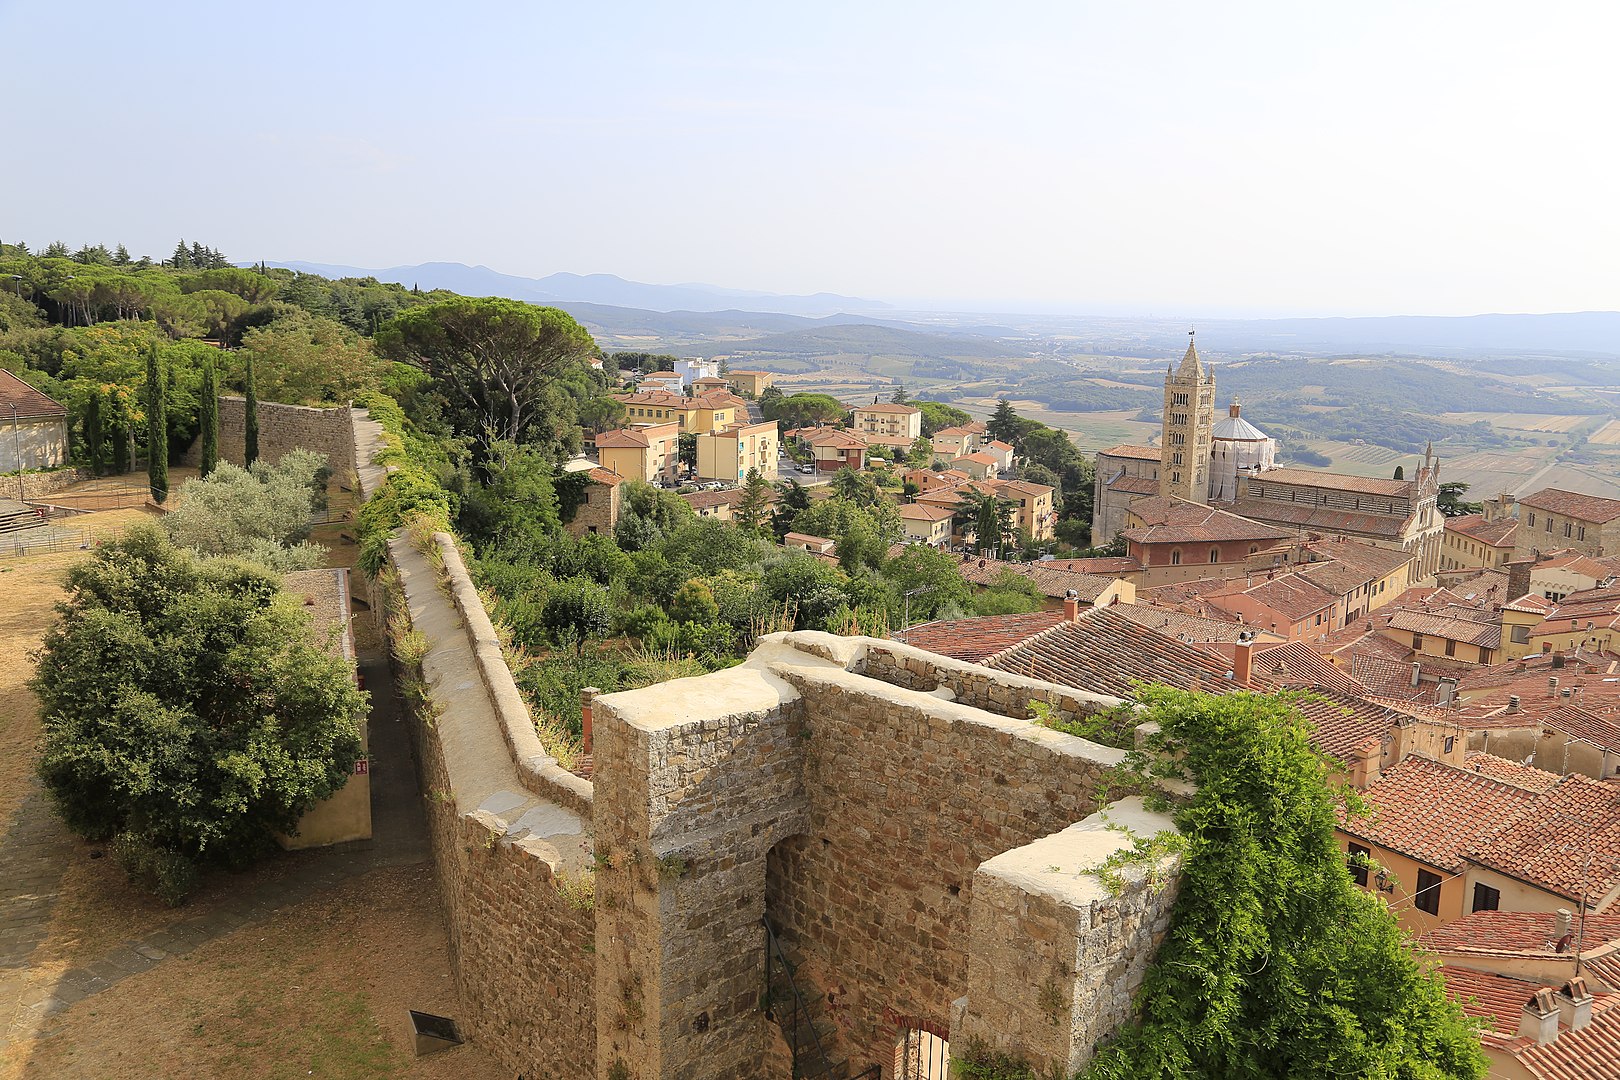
(157, 429)
(208, 420)
(120, 448)
(94, 443)
(250, 425)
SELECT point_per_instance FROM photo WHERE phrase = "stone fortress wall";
(282, 428)
(923, 859)
(920, 847)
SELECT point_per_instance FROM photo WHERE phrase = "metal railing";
(16, 545)
(799, 1017)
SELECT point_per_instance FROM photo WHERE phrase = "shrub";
(576, 610)
(262, 513)
(186, 705)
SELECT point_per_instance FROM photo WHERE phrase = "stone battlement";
(907, 831)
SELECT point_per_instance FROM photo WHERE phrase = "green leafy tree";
(1400, 472)
(686, 449)
(991, 517)
(577, 609)
(208, 421)
(811, 589)
(250, 425)
(754, 508)
(899, 397)
(1276, 963)
(188, 708)
(936, 415)
(858, 487)
(494, 360)
(1450, 500)
(95, 442)
(262, 513)
(157, 429)
(1004, 423)
(938, 575)
(518, 506)
(694, 602)
(860, 546)
(306, 359)
(791, 498)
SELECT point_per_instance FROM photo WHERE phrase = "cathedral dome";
(1236, 429)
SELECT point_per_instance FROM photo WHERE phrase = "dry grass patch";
(317, 990)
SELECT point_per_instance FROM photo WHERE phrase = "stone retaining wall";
(39, 486)
(283, 428)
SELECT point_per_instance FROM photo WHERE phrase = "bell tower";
(1189, 414)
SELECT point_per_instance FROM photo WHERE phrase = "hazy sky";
(1179, 159)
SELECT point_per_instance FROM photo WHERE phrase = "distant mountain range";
(593, 289)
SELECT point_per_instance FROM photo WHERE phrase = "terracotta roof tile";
(1104, 566)
(1194, 629)
(1307, 517)
(1592, 1053)
(1497, 999)
(30, 403)
(1573, 504)
(1054, 583)
(606, 477)
(624, 437)
(973, 640)
(1436, 813)
(924, 512)
(1498, 533)
(1448, 625)
(1510, 772)
(1135, 485)
(1138, 453)
(1343, 724)
(1168, 520)
(1364, 485)
(1576, 820)
(1105, 652)
(1512, 933)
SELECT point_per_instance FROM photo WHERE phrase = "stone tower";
(1189, 414)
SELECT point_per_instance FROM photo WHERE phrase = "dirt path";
(303, 966)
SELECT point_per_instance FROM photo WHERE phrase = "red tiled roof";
(655, 397)
(1343, 724)
(600, 475)
(888, 407)
(1139, 453)
(1498, 533)
(1169, 520)
(999, 445)
(1307, 517)
(1295, 664)
(30, 403)
(1105, 652)
(1506, 933)
(1436, 813)
(977, 459)
(1531, 604)
(1592, 1053)
(1054, 583)
(1106, 566)
(623, 437)
(1489, 996)
(973, 640)
(1194, 629)
(1135, 485)
(1291, 595)
(1509, 772)
(1363, 485)
(1576, 820)
(838, 440)
(1573, 504)
(922, 512)
(1449, 625)
(1378, 673)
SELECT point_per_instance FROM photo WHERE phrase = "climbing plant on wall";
(1276, 965)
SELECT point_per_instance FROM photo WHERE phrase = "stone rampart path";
(34, 851)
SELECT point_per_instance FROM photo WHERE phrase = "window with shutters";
(1427, 897)
(1486, 898)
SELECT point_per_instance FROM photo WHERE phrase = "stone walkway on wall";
(368, 443)
(35, 850)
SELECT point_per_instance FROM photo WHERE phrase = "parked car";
(807, 468)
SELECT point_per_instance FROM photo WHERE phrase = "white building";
(1236, 446)
(693, 368)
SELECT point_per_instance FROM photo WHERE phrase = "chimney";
(1513, 703)
(1234, 410)
(1071, 606)
(1561, 922)
(587, 697)
(1242, 661)
(1552, 686)
(1565, 693)
(1574, 1003)
(1518, 579)
(1417, 672)
(1539, 1020)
